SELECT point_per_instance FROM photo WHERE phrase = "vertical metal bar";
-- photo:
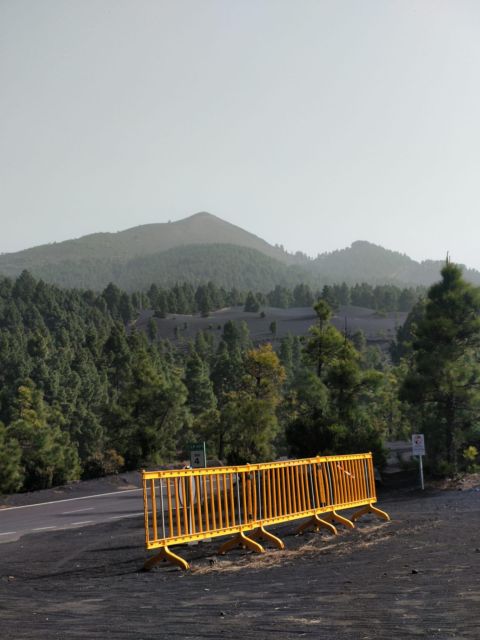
(372, 478)
(316, 484)
(367, 479)
(225, 500)
(330, 483)
(348, 481)
(293, 490)
(340, 476)
(198, 491)
(253, 486)
(287, 489)
(185, 507)
(248, 489)
(308, 504)
(205, 503)
(269, 492)
(321, 485)
(145, 512)
(176, 485)
(361, 478)
(354, 483)
(279, 491)
(232, 500)
(170, 511)
(154, 508)
(162, 507)
(358, 482)
(311, 486)
(297, 487)
(274, 492)
(191, 506)
(259, 493)
(244, 497)
(238, 501)
(264, 494)
(302, 488)
(219, 502)
(212, 503)
(284, 491)
(351, 481)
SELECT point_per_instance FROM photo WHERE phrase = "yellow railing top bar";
(176, 473)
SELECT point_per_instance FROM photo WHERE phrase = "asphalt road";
(69, 513)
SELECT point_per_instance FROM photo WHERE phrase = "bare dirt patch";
(415, 577)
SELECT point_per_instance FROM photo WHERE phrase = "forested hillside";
(367, 262)
(84, 393)
(227, 265)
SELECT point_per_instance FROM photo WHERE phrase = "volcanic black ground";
(415, 577)
(378, 328)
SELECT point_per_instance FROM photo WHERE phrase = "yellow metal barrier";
(194, 504)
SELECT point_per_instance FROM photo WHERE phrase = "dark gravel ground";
(416, 577)
(378, 328)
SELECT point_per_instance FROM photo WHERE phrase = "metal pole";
(163, 508)
(311, 486)
(421, 472)
(238, 499)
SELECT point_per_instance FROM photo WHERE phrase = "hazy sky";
(309, 123)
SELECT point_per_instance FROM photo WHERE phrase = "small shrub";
(470, 454)
(103, 464)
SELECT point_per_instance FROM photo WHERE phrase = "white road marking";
(67, 513)
(43, 528)
(98, 495)
(83, 522)
(129, 515)
(8, 533)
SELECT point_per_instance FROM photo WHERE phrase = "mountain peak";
(81, 262)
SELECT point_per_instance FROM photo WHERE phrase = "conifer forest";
(85, 393)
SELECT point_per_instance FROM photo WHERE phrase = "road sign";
(418, 444)
(418, 449)
(198, 455)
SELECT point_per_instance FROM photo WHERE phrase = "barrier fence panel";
(189, 505)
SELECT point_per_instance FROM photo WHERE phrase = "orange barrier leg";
(266, 535)
(370, 509)
(241, 540)
(317, 523)
(333, 516)
(168, 556)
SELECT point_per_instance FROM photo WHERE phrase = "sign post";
(198, 459)
(198, 455)
(418, 449)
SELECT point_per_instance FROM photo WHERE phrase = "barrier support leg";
(317, 523)
(333, 516)
(168, 556)
(266, 535)
(241, 540)
(370, 509)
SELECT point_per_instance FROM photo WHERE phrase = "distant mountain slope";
(367, 262)
(226, 265)
(204, 247)
(201, 228)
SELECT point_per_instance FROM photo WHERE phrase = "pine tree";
(11, 470)
(251, 303)
(47, 455)
(200, 390)
(443, 383)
